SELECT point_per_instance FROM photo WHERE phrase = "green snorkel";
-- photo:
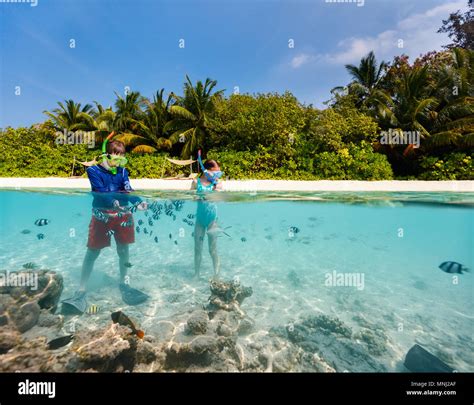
(106, 158)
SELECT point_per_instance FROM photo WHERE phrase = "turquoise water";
(395, 241)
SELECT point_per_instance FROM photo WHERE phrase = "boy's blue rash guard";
(108, 187)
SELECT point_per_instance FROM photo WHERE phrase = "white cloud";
(301, 59)
(414, 35)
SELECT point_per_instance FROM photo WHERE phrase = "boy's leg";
(199, 233)
(87, 266)
(123, 254)
(212, 241)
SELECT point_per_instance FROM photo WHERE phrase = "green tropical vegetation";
(273, 135)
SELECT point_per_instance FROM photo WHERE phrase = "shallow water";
(393, 243)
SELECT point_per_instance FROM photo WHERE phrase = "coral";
(20, 305)
(375, 339)
(197, 323)
(328, 325)
(227, 296)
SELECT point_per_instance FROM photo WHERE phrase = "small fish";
(192, 234)
(146, 213)
(191, 216)
(93, 310)
(190, 223)
(156, 239)
(170, 236)
(40, 236)
(175, 242)
(122, 319)
(453, 267)
(126, 224)
(119, 214)
(59, 342)
(30, 266)
(216, 230)
(243, 239)
(25, 231)
(41, 222)
(151, 233)
(133, 208)
(99, 215)
(110, 232)
(145, 231)
(137, 229)
(128, 264)
(150, 222)
(156, 217)
(185, 220)
(140, 222)
(294, 229)
(174, 217)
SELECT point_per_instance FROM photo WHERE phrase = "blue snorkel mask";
(211, 177)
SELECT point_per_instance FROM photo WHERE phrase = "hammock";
(181, 162)
(88, 164)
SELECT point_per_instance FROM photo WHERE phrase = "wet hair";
(210, 164)
(115, 148)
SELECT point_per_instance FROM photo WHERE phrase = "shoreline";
(463, 186)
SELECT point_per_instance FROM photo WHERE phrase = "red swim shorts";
(100, 232)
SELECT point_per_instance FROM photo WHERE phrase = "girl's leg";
(199, 233)
(87, 266)
(212, 241)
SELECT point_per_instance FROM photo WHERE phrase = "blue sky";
(242, 43)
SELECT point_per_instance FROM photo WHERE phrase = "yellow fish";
(93, 309)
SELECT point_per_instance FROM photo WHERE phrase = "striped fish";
(93, 310)
(110, 232)
(99, 215)
(453, 267)
(126, 224)
(41, 222)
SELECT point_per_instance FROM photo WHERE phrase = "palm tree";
(149, 136)
(101, 120)
(366, 81)
(128, 110)
(70, 116)
(191, 115)
(454, 119)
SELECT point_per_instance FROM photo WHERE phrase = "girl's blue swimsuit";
(206, 212)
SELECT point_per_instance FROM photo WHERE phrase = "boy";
(111, 217)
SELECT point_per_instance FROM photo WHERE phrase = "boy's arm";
(134, 199)
(107, 199)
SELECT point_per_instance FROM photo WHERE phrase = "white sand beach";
(254, 185)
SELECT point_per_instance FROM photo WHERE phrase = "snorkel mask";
(107, 157)
(211, 177)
